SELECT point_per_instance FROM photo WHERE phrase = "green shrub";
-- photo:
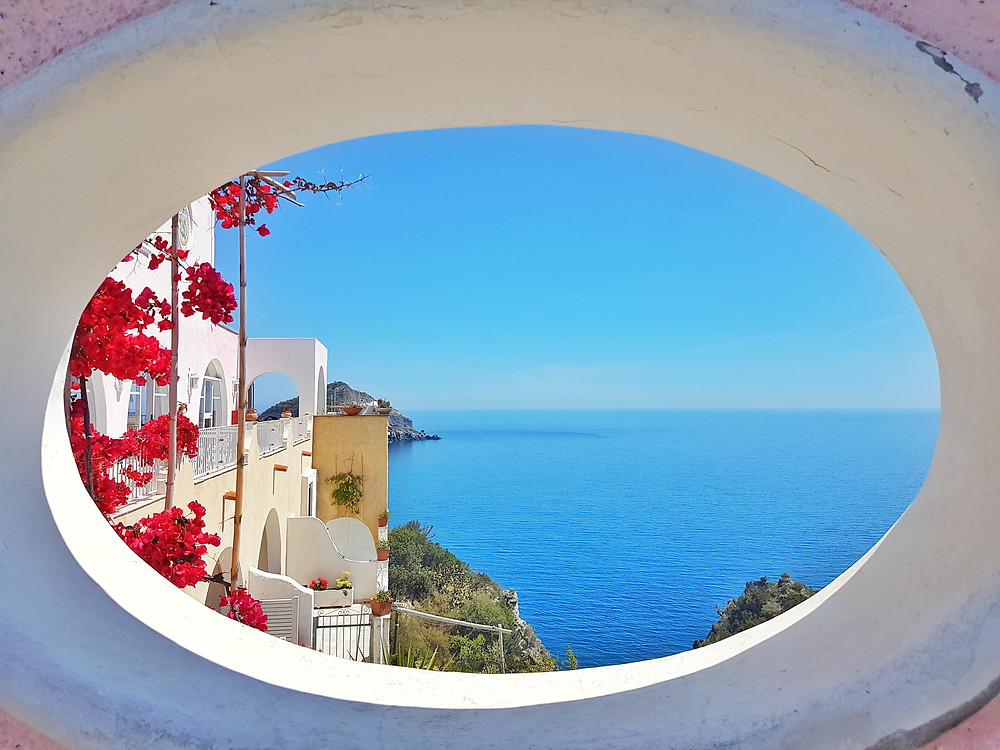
(760, 601)
(434, 580)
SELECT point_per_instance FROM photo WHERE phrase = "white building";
(281, 478)
(207, 364)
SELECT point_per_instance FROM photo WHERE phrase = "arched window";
(146, 402)
(213, 397)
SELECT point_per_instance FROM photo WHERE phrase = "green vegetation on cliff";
(429, 578)
(760, 601)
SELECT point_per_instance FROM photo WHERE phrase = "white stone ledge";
(830, 101)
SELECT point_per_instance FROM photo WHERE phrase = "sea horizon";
(408, 412)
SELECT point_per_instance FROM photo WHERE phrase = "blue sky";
(541, 267)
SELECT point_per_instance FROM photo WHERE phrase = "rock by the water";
(340, 393)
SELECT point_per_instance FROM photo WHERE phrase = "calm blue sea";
(590, 514)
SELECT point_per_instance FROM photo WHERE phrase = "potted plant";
(383, 407)
(352, 410)
(286, 413)
(381, 603)
(383, 518)
(341, 595)
(382, 549)
(347, 490)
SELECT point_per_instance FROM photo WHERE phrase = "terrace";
(296, 532)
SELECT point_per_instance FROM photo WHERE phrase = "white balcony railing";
(270, 436)
(300, 429)
(155, 485)
(216, 450)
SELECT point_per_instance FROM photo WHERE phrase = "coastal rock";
(524, 634)
(340, 393)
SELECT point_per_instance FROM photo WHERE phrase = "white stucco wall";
(834, 103)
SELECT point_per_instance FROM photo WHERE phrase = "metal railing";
(451, 621)
(155, 485)
(216, 450)
(498, 629)
(344, 633)
(300, 429)
(270, 436)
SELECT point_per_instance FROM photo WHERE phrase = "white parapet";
(833, 102)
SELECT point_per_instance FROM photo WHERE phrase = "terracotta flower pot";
(351, 411)
(286, 413)
(383, 554)
(251, 415)
(381, 609)
(383, 522)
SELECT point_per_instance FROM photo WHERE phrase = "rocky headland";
(339, 393)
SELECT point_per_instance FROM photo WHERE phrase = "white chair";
(287, 604)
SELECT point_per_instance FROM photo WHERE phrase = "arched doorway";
(269, 557)
(270, 392)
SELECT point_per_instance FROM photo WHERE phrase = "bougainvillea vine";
(173, 544)
(244, 608)
(111, 472)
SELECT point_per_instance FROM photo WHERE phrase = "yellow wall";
(359, 445)
(263, 489)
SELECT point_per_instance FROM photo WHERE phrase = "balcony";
(216, 454)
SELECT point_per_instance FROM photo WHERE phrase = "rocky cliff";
(340, 393)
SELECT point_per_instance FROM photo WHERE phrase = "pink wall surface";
(967, 29)
(981, 731)
(33, 32)
(16, 735)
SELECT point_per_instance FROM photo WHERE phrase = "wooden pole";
(175, 238)
(88, 461)
(242, 408)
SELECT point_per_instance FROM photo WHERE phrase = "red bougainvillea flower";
(111, 476)
(244, 608)
(209, 294)
(172, 544)
(111, 337)
(225, 201)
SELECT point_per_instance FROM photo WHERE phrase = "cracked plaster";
(32, 33)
